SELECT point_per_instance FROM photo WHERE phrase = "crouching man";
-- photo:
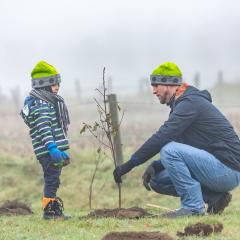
(199, 149)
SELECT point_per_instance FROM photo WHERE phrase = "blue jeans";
(51, 177)
(194, 175)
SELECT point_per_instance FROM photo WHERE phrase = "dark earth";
(15, 207)
(130, 213)
(201, 229)
(137, 236)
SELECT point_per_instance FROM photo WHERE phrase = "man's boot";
(53, 209)
(182, 212)
(219, 206)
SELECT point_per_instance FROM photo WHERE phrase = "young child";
(46, 115)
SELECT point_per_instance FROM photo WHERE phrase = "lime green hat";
(44, 75)
(167, 73)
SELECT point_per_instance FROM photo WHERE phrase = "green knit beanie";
(44, 75)
(167, 73)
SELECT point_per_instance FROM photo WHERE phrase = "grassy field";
(35, 228)
(21, 179)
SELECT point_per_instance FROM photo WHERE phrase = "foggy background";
(129, 37)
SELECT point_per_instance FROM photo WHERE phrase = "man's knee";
(168, 151)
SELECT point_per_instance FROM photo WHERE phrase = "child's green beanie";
(44, 75)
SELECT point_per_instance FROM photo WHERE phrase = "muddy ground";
(130, 213)
(201, 229)
(137, 236)
(15, 208)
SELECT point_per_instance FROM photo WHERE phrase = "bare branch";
(98, 156)
(121, 119)
(90, 130)
(99, 91)
(98, 104)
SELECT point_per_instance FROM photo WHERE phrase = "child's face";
(55, 88)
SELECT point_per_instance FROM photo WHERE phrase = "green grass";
(21, 178)
(33, 227)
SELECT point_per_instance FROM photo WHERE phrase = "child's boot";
(53, 209)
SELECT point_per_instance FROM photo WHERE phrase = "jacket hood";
(194, 91)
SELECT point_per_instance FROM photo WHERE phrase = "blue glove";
(56, 155)
(66, 159)
(65, 156)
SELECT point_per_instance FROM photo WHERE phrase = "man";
(199, 149)
(46, 115)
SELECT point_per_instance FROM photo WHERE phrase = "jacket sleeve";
(180, 119)
(43, 123)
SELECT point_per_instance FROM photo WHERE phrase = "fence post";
(196, 80)
(113, 107)
(78, 90)
(16, 95)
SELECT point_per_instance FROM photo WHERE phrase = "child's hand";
(66, 158)
(56, 155)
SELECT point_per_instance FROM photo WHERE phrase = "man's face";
(55, 88)
(162, 92)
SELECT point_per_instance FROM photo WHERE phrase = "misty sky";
(129, 37)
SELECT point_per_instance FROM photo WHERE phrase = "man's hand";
(117, 175)
(148, 174)
(121, 170)
(154, 168)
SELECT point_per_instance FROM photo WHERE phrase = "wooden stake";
(157, 206)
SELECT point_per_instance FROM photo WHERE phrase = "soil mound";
(129, 213)
(201, 229)
(15, 208)
(137, 236)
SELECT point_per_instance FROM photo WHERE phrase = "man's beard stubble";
(163, 100)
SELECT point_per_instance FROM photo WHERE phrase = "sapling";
(103, 131)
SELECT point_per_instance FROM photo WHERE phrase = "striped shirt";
(45, 128)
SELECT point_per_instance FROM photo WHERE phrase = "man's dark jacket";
(194, 121)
